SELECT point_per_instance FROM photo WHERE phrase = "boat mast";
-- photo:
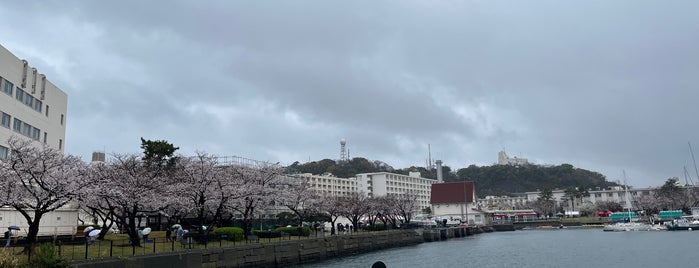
(691, 151)
(626, 194)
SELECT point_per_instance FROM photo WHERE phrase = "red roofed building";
(456, 200)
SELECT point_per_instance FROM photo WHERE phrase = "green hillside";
(502, 180)
(490, 180)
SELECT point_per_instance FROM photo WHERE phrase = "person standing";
(180, 233)
(8, 237)
(168, 234)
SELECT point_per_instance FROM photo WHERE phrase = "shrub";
(46, 257)
(8, 260)
(231, 233)
(297, 231)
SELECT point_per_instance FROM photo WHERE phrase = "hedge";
(297, 231)
(231, 233)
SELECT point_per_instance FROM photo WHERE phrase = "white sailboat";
(631, 224)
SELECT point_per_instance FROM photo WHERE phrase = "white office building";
(30, 105)
(388, 184)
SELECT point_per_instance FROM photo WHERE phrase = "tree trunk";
(33, 232)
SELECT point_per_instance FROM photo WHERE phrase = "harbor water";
(541, 248)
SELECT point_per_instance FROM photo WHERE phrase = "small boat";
(682, 224)
(626, 227)
(630, 221)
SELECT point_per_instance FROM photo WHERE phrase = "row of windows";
(23, 97)
(26, 129)
(22, 127)
(29, 100)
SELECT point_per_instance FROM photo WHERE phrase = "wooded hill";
(490, 180)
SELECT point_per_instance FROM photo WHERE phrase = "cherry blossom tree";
(38, 180)
(133, 188)
(298, 196)
(198, 180)
(260, 185)
(332, 205)
(355, 206)
(405, 205)
(101, 209)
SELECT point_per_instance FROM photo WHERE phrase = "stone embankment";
(286, 253)
(280, 254)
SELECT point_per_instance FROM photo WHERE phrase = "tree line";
(38, 180)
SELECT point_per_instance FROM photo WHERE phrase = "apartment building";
(328, 184)
(387, 184)
(30, 105)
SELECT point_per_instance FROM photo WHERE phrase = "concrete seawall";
(267, 255)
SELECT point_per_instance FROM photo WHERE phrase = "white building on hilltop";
(30, 105)
(503, 159)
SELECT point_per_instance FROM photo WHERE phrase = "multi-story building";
(502, 202)
(612, 194)
(329, 184)
(387, 184)
(30, 105)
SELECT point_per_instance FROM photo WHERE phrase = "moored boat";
(626, 227)
(682, 224)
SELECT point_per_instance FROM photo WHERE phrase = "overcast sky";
(602, 85)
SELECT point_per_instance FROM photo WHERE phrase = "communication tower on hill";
(343, 151)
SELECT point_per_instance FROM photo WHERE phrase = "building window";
(36, 133)
(27, 130)
(28, 100)
(37, 105)
(61, 119)
(17, 126)
(47, 110)
(60, 144)
(45, 134)
(5, 120)
(8, 87)
(3, 152)
(20, 95)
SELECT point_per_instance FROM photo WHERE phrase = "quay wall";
(280, 254)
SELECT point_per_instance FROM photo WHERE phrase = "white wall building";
(63, 221)
(503, 159)
(329, 184)
(30, 105)
(386, 184)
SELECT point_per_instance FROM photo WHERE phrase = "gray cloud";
(606, 86)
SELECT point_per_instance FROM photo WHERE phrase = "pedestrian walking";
(8, 237)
